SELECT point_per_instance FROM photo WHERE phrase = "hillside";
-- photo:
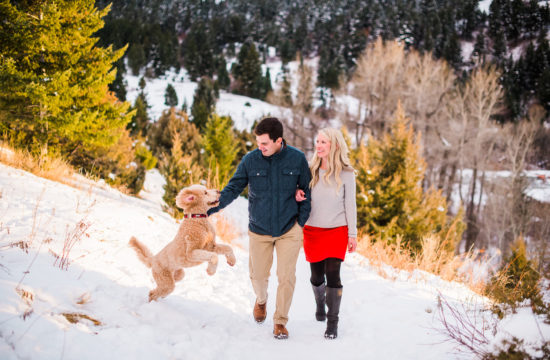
(102, 287)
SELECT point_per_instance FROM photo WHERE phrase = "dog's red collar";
(195, 216)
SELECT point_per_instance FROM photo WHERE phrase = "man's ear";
(279, 141)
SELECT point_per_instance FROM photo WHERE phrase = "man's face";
(267, 146)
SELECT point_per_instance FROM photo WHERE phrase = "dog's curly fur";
(194, 243)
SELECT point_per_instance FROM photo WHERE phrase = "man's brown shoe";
(259, 312)
(280, 332)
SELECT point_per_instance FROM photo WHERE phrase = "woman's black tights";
(329, 269)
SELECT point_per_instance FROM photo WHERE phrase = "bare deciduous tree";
(303, 123)
(386, 74)
(508, 213)
(473, 134)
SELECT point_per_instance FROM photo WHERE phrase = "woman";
(332, 224)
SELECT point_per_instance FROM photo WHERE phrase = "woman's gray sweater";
(330, 209)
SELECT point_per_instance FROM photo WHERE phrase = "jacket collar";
(279, 153)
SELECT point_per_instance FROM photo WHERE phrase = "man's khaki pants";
(260, 261)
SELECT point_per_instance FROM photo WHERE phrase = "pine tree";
(220, 146)
(517, 280)
(266, 88)
(248, 71)
(179, 170)
(285, 92)
(499, 47)
(118, 86)
(170, 96)
(136, 58)
(139, 125)
(390, 199)
(160, 136)
(198, 51)
(329, 68)
(204, 102)
(55, 80)
(223, 75)
(480, 48)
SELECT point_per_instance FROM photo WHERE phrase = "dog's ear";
(184, 198)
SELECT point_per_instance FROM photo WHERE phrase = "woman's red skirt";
(322, 243)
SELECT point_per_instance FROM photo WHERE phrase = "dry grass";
(433, 259)
(225, 229)
(49, 167)
(75, 318)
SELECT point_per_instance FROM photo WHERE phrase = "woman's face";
(322, 146)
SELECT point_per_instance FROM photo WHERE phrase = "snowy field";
(91, 302)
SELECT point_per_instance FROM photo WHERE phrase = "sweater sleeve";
(349, 203)
(304, 207)
(233, 189)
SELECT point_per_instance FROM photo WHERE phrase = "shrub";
(390, 200)
(517, 280)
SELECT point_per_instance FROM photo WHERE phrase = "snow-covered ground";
(243, 110)
(206, 317)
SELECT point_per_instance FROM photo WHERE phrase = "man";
(272, 172)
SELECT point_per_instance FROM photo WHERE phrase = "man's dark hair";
(271, 126)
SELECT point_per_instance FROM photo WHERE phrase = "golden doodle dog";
(194, 243)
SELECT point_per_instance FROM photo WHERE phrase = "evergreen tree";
(220, 146)
(136, 58)
(118, 86)
(390, 199)
(285, 92)
(198, 51)
(204, 102)
(543, 89)
(499, 47)
(170, 96)
(329, 68)
(248, 71)
(160, 137)
(184, 106)
(55, 80)
(139, 125)
(287, 51)
(179, 170)
(451, 50)
(517, 280)
(266, 87)
(223, 75)
(480, 48)
(142, 84)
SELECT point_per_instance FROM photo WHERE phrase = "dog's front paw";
(153, 296)
(231, 259)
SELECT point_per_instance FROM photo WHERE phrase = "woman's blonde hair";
(338, 158)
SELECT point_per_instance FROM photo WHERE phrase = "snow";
(466, 49)
(206, 317)
(484, 6)
(243, 110)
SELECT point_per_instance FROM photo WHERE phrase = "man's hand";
(300, 195)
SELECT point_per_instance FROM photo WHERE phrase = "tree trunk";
(471, 218)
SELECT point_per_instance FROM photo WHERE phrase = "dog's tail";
(143, 253)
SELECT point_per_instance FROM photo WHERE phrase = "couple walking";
(290, 201)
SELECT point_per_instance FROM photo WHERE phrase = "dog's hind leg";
(203, 255)
(165, 283)
(227, 251)
(179, 274)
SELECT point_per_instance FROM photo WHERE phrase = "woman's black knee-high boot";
(319, 292)
(334, 297)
